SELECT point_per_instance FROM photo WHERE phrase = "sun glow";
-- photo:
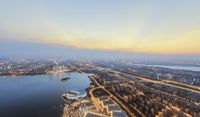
(122, 26)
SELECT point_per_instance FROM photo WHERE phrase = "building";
(118, 114)
(110, 108)
(92, 114)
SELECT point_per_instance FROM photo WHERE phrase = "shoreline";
(35, 74)
(59, 111)
(68, 106)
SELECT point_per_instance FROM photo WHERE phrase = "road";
(164, 82)
(111, 96)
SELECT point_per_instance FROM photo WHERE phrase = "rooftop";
(91, 114)
(114, 108)
(119, 114)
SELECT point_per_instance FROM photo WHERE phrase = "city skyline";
(153, 27)
(99, 58)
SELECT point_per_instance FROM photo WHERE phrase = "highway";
(182, 86)
(164, 82)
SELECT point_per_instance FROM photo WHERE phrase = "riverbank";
(35, 73)
(41, 94)
(79, 106)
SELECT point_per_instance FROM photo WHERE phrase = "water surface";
(189, 68)
(39, 95)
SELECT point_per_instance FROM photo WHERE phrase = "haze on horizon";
(138, 26)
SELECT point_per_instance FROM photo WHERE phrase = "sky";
(135, 26)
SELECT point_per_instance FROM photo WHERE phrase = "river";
(39, 95)
(188, 68)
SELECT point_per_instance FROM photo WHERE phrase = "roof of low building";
(90, 114)
(119, 114)
(114, 108)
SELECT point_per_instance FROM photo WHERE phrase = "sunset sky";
(146, 26)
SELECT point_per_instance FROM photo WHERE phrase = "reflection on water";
(37, 96)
